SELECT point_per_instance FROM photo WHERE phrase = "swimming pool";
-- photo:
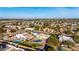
(17, 41)
(37, 40)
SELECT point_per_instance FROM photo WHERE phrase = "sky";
(39, 12)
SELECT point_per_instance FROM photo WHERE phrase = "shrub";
(76, 38)
(29, 44)
(34, 45)
(69, 43)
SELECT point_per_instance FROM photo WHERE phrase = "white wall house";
(65, 38)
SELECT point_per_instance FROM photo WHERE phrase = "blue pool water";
(37, 40)
(17, 41)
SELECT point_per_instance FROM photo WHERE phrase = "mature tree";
(13, 30)
(37, 28)
(53, 42)
(2, 30)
